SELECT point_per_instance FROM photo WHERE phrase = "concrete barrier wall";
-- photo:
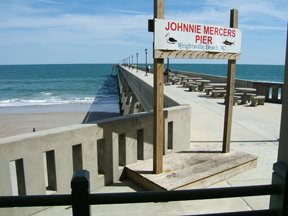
(50, 151)
(105, 148)
(271, 90)
(131, 84)
(33, 161)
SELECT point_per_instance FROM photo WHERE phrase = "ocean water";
(28, 85)
(266, 73)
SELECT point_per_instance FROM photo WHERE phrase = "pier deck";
(255, 130)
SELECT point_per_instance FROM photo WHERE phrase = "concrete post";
(80, 193)
(131, 147)
(132, 105)
(126, 105)
(140, 108)
(111, 154)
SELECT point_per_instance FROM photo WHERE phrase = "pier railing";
(43, 162)
(81, 200)
(133, 89)
(271, 90)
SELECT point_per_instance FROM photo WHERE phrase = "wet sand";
(19, 120)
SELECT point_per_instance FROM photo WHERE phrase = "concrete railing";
(43, 162)
(271, 90)
(133, 88)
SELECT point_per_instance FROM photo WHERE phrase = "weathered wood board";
(189, 169)
(187, 54)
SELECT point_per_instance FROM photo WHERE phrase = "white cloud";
(49, 2)
(54, 29)
(258, 13)
(255, 7)
(208, 16)
(129, 12)
(69, 29)
(262, 27)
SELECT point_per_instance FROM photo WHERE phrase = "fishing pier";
(169, 141)
(122, 147)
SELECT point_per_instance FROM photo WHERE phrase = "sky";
(97, 31)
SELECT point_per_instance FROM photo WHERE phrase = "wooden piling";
(158, 122)
(230, 90)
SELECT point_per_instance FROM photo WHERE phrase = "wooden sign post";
(158, 123)
(230, 90)
(177, 39)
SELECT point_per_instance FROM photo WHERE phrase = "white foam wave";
(47, 101)
(46, 93)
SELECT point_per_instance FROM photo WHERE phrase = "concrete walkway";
(255, 130)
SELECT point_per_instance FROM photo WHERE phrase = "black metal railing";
(81, 199)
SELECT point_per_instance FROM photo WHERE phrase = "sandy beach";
(19, 120)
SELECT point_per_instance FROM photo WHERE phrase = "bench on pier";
(235, 99)
(257, 100)
(175, 80)
(249, 95)
(238, 93)
(191, 82)
(192, 87)
(208, 90)
(220, 92)
(184, 82)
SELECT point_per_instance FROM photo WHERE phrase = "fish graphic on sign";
(226, 42)
(170, 40)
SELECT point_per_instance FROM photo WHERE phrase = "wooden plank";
(189, 54)
(158, 121)
(203, 183)
(143, 182)
(192, 170)
(204, 168)
(230, 91)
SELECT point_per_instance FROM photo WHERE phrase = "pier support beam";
(158, 124)
(158, 116)
(230, 90)
(127, 102)
(132, 108)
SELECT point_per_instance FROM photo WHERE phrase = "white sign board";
(174, 35)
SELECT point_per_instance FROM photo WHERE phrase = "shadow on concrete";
(127, 183)
(238, 104)
(94, 116)
(221, 103)
(207, 96)
(208, 152)
(144, 171)
(106, 102)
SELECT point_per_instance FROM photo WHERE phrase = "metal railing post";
(80, 186)
(280, 177)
